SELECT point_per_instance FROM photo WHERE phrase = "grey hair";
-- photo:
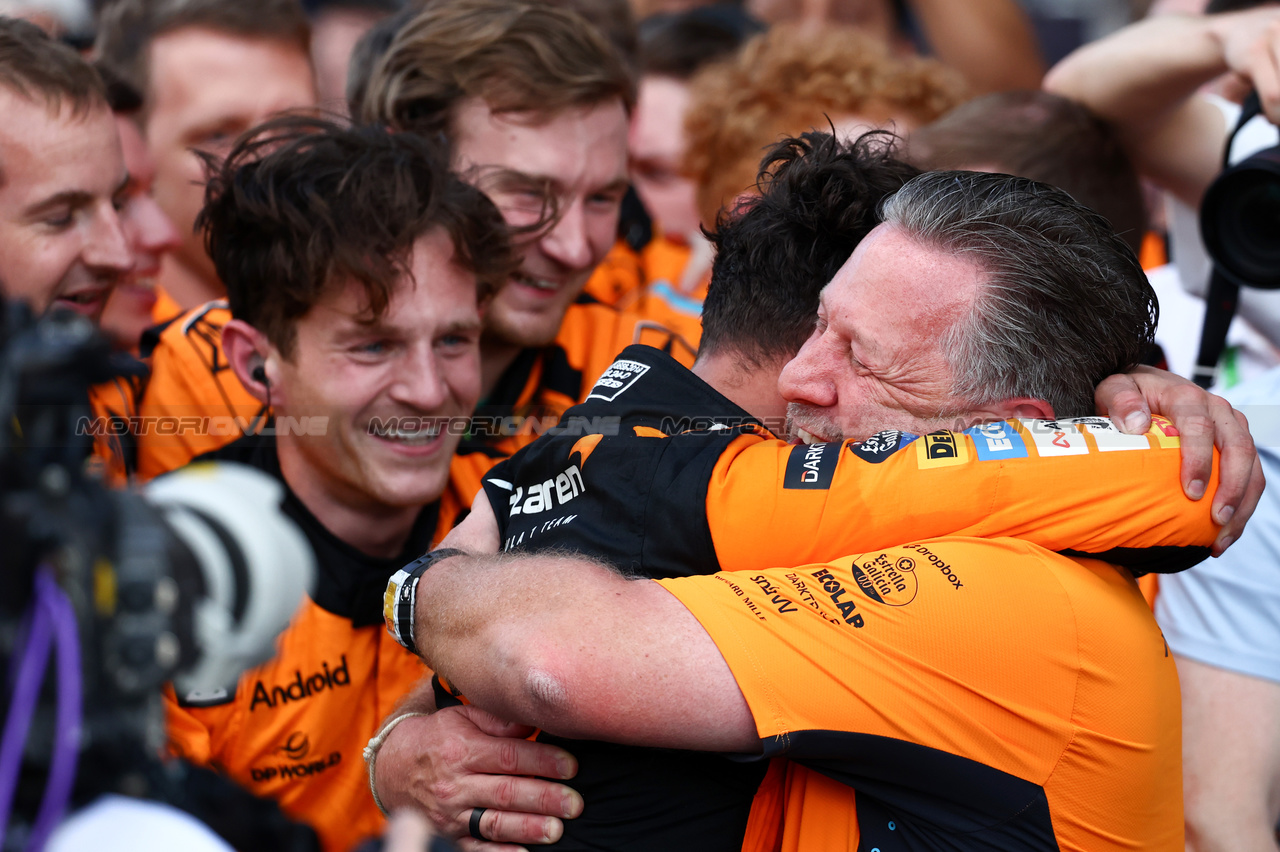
(1065, 302)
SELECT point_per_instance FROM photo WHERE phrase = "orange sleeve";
(1067, 485)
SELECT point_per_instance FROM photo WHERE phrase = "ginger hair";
(789, 80)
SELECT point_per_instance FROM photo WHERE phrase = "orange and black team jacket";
(293, 728)
(939, 773)
(650, 279)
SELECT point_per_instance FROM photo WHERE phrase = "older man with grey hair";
(991, 693)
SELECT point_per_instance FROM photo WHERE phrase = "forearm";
(990, 42)
(568, 645)
(1144, 80)
(1139, 74)
(473, 626)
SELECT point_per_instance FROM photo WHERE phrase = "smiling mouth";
(84, 302)
(540, 284)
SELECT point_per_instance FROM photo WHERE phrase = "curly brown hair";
(789, 80)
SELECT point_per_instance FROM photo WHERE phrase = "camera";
(107, 595)
(1240, 223)
(1240, 220)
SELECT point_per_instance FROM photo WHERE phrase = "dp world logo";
(297, 747)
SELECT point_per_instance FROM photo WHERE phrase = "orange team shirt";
(758, 503)
(294, 727)
(114, 405)
(194, 403)
(966, 693)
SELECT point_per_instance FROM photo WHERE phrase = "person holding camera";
(1221, 620)
(1148, 79)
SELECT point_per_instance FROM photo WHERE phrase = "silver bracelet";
(371, 753)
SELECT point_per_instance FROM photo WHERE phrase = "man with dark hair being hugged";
(355, 265)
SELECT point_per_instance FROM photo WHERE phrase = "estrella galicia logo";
(811, 466)
(881, 445)
(887, 582)
(297, 747)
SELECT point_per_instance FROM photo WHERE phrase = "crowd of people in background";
(378, 249)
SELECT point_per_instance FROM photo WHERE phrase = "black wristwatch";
(402, 591)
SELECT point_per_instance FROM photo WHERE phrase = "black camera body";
(1240, 220)
(124, 591)
(1240, 226)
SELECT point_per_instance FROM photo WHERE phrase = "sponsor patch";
(621, 375)
(997, 441)
(811, 466)
(891, 582)
(296, 747)
(296, 770)
(1056, 438)
(881, 445)
(840, 597)
(942, 449)
(1108, 438)
(301, 687)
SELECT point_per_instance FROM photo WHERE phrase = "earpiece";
(259, 374)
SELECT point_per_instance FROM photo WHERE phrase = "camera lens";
(1240, 220)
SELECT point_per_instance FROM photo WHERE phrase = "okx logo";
(301, 687)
